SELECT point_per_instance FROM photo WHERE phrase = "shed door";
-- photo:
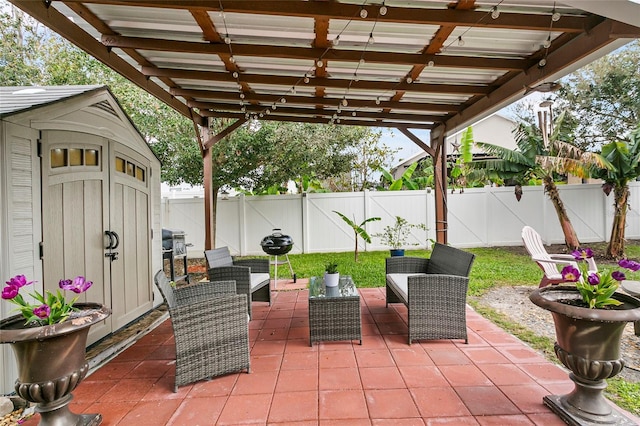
(85, 193)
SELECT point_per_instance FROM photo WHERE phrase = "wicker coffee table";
(334, 312)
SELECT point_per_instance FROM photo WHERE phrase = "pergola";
(416, 64)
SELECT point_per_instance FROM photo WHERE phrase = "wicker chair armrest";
(204, 291)
(405, 265)
(256, 265)
(437, 289)
(227, 273)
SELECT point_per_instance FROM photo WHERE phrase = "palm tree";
(540, 158)
(625, 161)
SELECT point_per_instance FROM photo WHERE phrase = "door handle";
(117, 238)
(108, 234)
(114, 240)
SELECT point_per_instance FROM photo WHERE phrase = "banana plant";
(358, 229)
(403, 181)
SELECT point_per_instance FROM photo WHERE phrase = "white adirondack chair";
(551, 264)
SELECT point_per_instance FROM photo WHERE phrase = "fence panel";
(478, 217)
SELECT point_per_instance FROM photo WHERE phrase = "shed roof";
(15, 99)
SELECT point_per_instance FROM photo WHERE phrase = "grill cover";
(277, 243)
(174, 239)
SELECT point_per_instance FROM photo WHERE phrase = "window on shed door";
(74, 157)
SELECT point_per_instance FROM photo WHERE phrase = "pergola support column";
(436, 149)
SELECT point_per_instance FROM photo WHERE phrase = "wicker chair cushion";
(258, 280)
(400, 284)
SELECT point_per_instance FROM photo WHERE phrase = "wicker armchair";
(210, 328)
(434, 291)
(251, 275)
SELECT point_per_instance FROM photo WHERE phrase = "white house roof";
(14, 99)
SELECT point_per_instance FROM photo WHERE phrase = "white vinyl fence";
(481, 217)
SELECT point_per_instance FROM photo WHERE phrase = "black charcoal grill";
(174, 247)
(278, 244)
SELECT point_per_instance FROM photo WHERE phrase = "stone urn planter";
(588, 344)
(51, 362)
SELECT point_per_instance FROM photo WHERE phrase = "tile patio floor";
(494, 380)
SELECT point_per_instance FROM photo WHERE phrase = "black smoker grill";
(275, 245)
(174, 247)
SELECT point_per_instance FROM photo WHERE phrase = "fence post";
(305, 222)
(242, 228)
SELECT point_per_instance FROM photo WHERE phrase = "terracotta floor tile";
(544, 372)
(499, 338)
(151, 413)
(273, 334)
(371, 342)
(397, 422)
(341, 422)
(374, 358)
(381, 378)
(390, 404)
(559, 388)
(411, 355)
(528, 398)
(245, 409)
(369, 329)
(342, 404)
(452, 421)
(256, 324)
(255, 383)
(277, 323)
(395, 328)
(265, 363)
(423, 376)
(484, 355)
(337, 359)
(505, 374)
(280, 313)
(155, 338)
(163, 389)
(520, 354)
(112, 412)
(448, 356)
(545, 419)
(198, 411)
(439, 402)
(516, 420)
(297, 381)
(300, 361)
(167, 352)
(218, 386)
(268, 347)
(112, 371)
(339, 378)
(300, 345)
(136, 389)
(301, 332)
(150, 369)
(133, 353)
(294, 406)
(486, 401)
(464, 375)
(91, 391)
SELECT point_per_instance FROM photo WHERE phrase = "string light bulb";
(227, 39)
(319, 63)
(362, 61)
(345, 102)
(383, 10)
(283, 100)
(306, 78)
(241, 95)
(293, 90)
(336, 41)
(460, 41)
(355, 77)
(431, 64)
(261, 115)
(542, 62)
(377, 101)
(363, 13)
(409, 80)
(555, 16)
(232, 59)
(547, 43)
(495, 13)
(274, 106)
(371, 39)
(353, 114)
(235, 74)
(243, 109)
(267, 111)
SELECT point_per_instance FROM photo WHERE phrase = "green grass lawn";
(493, 267)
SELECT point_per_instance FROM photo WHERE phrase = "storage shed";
(79, 195)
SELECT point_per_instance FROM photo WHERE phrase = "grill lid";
(277, 243)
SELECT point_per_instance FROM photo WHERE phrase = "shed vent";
(105, 106)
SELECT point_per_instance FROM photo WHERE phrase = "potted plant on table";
(331, 274)
(49, 339)
(589, 319)
(396, 235)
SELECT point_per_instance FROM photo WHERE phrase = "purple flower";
(78, 285)
(594, 279)
(582, 254)
(570, 273)
(618, 276)
(10, 291)
(629, 264)
(42, 311)
(19, 281)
